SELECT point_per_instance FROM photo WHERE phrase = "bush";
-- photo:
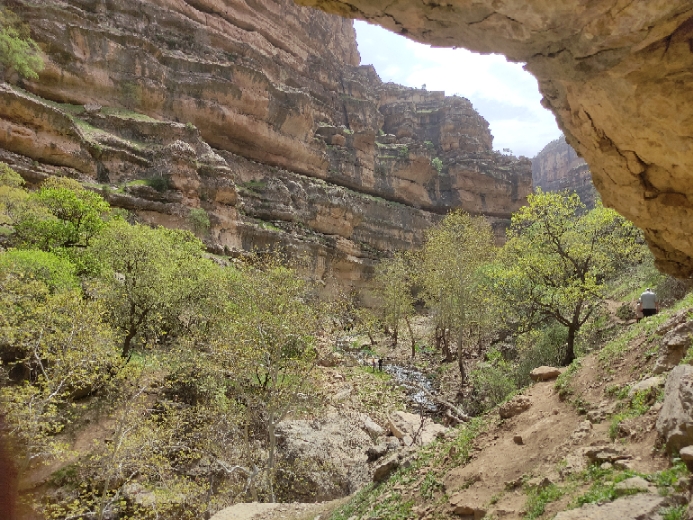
(160, 184)
(546, 347)
(199, 221)
(492, 382)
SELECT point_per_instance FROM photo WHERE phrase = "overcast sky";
(502, 92)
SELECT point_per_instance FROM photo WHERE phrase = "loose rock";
(635, 507)
(544, 373)
(462, 508)
(686, 455)
(517, 405)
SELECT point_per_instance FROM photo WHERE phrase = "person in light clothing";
(649, 303)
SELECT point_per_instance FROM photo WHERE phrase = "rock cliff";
(259, 114)
(615, 74)
(558, 167)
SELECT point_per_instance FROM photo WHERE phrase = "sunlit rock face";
(615, 73)
(259, 113)
(558, 167)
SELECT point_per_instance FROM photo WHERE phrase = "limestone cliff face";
(558, 167)
(258, 113)
(615, 73)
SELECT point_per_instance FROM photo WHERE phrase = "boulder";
(372, 428)
(635, 507)
(544, 373)
(460, 506)
(673, 322)
(581, 431)
(675, 343)
(675, 421)
(408, 428)
(606, 453)
(517, 405)
(384, 470)
(634, 485)
(686, 455)
(651, 384)
(331, 359)
(324, 459)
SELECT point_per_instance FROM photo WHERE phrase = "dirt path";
(295, 511)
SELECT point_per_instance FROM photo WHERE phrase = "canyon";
(558, 167)
(613, 72)
(259, 114)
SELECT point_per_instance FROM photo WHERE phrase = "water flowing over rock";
(615, 74)
(259, 115)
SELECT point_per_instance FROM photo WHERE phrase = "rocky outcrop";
(645, 506)
(675, 421)
(260, 116)
(558, 167)
(613, 73)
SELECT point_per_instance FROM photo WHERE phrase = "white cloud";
(504, 94)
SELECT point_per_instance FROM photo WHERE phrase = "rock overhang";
(613, 72)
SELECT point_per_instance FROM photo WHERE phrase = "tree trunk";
(570, 349)
(395, 334)
(127, 343)
(272, 452)
(460, 355)
(411, 335)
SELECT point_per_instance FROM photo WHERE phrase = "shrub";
(492, 382)
(546, 348)
(437, 164)
(160, 184)
(199, 221)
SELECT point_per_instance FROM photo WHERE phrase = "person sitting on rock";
(649, 303)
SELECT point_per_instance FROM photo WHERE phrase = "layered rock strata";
(260, 115)
(615, 74)
(558, 167)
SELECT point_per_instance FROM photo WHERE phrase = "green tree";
(75, 216)
(394, 281)
(54, 347)
(450, 274)
(271, 346)
(149, 277)
(556, 261)
(18, 52)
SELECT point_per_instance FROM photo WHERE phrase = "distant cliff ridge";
(558, 167)
(262, 117)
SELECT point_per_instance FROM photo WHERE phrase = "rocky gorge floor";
(601, 441)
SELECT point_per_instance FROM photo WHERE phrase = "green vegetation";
(394, 287)
(639, 404)
(556, 261)
(185, 363)
(384, 501)
(18, 52)
(539, 497)
(199, 221)
(437, 164)
(451, 277)
(403, 152)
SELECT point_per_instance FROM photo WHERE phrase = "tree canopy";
(18, 52)
(450, 275)
(556, 261)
